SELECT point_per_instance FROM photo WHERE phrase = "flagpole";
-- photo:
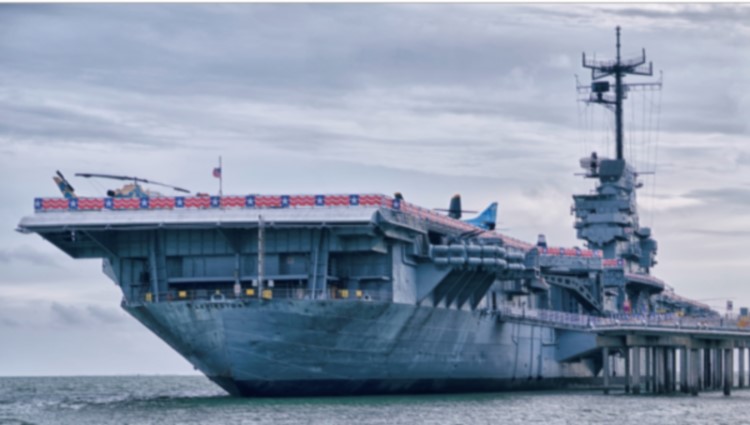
(221, 179)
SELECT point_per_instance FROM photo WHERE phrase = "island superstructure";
(322, 294)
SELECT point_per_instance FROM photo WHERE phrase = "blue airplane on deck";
(487, 219)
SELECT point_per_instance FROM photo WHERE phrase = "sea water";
(195, 400)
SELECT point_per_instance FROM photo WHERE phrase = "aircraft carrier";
(325, 294)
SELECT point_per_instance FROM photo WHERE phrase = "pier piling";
(728, 370)
(707, 379)
(605, 369)
(649, 369)
(699, 369)
(668, 368)
(636, 370)
(654, 370)
(673, 370)
(714, 368)
(684, 371)
(695, 371)
(741, 365)
(627, 369)
(659, 357)
(718, 369)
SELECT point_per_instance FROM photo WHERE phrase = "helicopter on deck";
(133, 189)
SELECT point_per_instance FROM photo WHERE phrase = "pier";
(662, 353)
(653, 357)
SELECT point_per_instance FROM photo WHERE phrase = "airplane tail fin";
(486, 219)
(454, 210)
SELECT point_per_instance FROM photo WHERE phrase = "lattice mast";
(608, 218)
(619, 69)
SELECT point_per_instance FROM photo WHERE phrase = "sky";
(425, 99)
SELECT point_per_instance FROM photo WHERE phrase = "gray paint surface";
(366, 347)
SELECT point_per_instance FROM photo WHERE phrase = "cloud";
(722, 196)
(27, 254)
(241, 74)
(698, 15)
(743, 234)
(85, 315)
(106, 315)
(663, 203)
(66, 315)
(9, 322)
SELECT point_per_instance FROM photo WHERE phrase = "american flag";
(217, 172)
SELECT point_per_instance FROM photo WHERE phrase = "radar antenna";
(619, 69)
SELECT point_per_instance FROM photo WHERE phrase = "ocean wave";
(14, 421)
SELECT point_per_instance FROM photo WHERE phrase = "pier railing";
(582, 321)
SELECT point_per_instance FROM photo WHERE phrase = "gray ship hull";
(303, 347)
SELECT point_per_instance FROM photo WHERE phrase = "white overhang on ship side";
(104, 220)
